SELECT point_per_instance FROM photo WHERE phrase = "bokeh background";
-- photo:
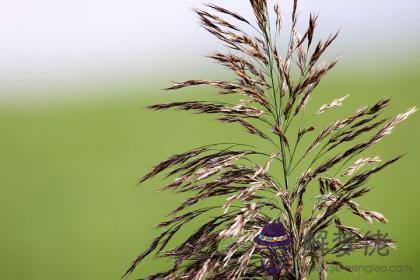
(74, 78)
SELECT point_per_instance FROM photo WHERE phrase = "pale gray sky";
(78, 42)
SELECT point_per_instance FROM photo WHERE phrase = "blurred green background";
(69, 204)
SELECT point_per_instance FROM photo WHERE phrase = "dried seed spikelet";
(226, 88)
(321, 48)
(240, 221)
(326, 200)
(207, 17)
(243, 262)
(294, 12)
(207, 268)
(205, 107)
(375, 216)
(260, 11)
(241, 240)
(340, 265)
(330, 183)
(246, 194)
(264, 169)
(248, 126)
(317, 74)
(303, 131)
(359, 164)
(301, 52)
(279, 17)
(336, 126)
(212, 169)
(253, 48)
(240, 66)
(324, 133)
(311, 28)
(279, 132)
(369, 216)
(346, 229)
(172, 161)
(335, 103)
(238, 244)
(301, 184)
(224, 11)
(349, 135)
(392, 124)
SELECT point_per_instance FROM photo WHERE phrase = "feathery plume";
(238, 187)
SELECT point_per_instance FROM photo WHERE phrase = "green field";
(70, 207)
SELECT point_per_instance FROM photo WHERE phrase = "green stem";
(278, 110)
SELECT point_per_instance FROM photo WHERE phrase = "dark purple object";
(274, 268)
(275, 241)
(273, 235)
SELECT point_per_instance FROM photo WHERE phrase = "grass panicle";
(256, 186)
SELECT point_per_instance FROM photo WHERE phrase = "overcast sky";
(45, 42)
